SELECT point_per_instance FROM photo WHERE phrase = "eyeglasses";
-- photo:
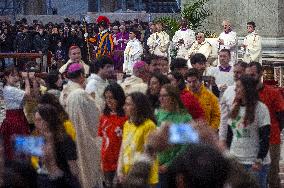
(164, 95)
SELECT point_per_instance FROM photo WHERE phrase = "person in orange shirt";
(208, 101)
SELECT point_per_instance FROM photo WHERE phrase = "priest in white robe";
(159, 41)
(228, 40)
(252, 45)
(132, 52)
(183, 39)
(200, 46)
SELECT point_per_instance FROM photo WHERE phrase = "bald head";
(226, 26)
(200, 37)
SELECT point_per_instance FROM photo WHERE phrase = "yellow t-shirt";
(133, 142)
(70, 130)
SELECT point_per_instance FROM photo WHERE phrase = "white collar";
(104, 31)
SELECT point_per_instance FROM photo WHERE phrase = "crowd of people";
(106, 112)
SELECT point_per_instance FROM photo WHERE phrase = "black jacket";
(6, 45)
(41, 42)
(23, 42)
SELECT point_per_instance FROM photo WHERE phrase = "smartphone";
(183, 134)
(29, 145)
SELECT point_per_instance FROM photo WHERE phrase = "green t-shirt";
(166, 157)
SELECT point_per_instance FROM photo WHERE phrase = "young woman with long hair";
(15, 121)
(60, 154)
(171, 110)
(110, 129)
(51, 99)
(141, 122)
(155, 83)
(250, 123)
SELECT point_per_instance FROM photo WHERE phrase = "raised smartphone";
(29, 145)
(183, 134)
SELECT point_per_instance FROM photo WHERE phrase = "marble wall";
(268, 15)
(70, 7)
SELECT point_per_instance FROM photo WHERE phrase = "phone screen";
(183, 134)
(30, 145)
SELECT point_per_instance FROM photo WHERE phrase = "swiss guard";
(104, 40)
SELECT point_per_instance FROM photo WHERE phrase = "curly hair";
(118, 94)
(143, 109)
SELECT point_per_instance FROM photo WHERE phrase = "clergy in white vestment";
(137, 82)
(84, 115)
(223, 73)
(183, 39)
(228, 40)
(75, 57)
(132, 52)
(159, 41)
(252, 45)
(200, 46)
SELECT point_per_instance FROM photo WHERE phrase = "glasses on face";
(163, 95)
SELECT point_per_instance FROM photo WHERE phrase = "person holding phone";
(59, 151)
(15, 121)
(171, 110)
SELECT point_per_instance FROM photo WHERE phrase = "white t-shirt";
(245, 143)
(97, 85)
(13, 97)
(222, 77)
(226, 104)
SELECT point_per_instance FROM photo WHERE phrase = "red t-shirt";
(274, 101)
(192, 104)
(110, 129)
